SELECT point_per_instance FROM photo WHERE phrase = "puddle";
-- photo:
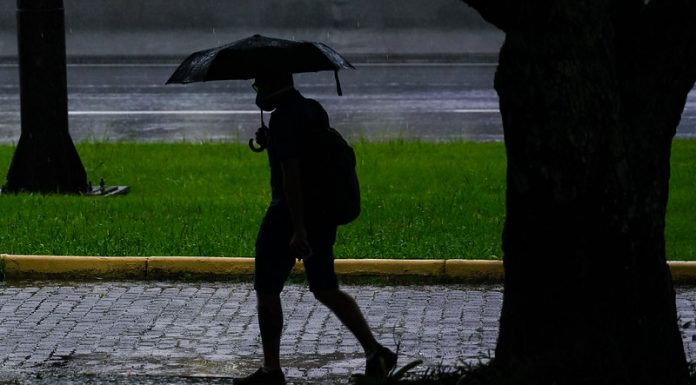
(158, 366)
(101, 368)
(53, 378)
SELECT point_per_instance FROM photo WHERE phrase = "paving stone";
(171, 328)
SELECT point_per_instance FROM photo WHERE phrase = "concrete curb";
(73, 267)
(31, 266)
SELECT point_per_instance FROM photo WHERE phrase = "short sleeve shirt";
(291, 122)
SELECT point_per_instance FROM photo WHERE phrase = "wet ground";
(138, 332)
(433, 102)
(186, 333)
(193, 333)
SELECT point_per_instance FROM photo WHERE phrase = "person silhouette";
(293, 228)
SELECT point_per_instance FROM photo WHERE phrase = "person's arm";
(293, 194)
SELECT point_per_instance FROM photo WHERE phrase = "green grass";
(420, 200)
(680, 234)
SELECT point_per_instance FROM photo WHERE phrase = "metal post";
(45, 160)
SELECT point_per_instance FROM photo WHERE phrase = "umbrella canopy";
(256, 55)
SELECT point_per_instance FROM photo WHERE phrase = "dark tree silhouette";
(45, 160)
(591, 93)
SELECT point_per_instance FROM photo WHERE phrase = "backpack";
(330, 183)
(344, 188)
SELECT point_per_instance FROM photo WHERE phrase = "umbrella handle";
(261, 147)
(254, 148)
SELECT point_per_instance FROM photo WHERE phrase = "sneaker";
(381, 364)
(262, 377)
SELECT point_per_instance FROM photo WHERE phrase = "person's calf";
(270, 315)
(348, 312)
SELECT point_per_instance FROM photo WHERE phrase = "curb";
(76, 267)
(683, 272)
(36, 266)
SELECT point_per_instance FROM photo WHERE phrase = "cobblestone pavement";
(182, 333)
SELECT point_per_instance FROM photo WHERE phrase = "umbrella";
(255, 55)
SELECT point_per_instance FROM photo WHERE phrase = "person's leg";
(272, 266)
(324, 284)
(348, 312)
(270, 315)
(380, 360)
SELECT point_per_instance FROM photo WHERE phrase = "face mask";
(265, 102)
(268, 101)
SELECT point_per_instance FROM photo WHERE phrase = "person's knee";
(267, 300)
(326, 296)
(267, 295)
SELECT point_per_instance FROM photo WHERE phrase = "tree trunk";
(591, 93)
(45, 160)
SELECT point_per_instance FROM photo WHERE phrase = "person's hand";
(262, 136)
(299, 245)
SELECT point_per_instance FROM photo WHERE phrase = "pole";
(45, 160)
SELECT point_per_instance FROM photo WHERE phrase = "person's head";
(269, 86)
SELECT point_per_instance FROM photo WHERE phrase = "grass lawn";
(420, 200)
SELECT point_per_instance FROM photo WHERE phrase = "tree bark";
(45, 160)
(591, 93)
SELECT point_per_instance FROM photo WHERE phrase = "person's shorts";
(274, 261)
